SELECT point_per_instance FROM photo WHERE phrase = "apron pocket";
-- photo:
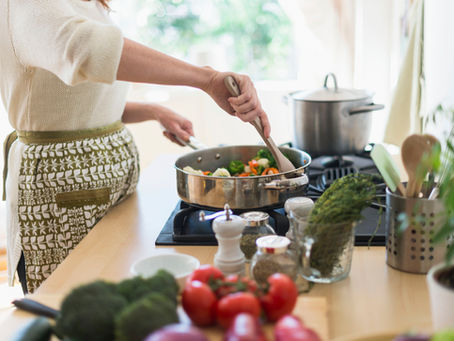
(98, 196)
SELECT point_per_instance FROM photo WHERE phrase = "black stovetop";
(183, 226)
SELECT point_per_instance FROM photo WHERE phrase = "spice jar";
(257, 225)
(273, 256)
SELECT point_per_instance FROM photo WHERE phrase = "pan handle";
(288, 183)
(193, 143)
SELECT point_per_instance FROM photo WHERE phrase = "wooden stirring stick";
(412, 151)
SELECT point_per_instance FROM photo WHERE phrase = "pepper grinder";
(228, 229)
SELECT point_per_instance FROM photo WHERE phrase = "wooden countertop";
(373, 299)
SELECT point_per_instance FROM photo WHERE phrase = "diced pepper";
(207, 173)
(243, 174)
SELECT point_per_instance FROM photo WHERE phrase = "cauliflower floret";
(265, 163)
(221, 172)
(191, 170)
(247, 169)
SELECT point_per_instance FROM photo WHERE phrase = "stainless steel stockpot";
(239, 192)
(332, 121)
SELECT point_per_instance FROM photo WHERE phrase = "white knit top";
(58, 64)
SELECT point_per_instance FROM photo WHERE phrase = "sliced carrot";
(206, 173)
(243, 174)
(253, 164)
(254, 171)
(270, 171)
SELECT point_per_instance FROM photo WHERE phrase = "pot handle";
(325, 83)
(365, 108)
(288, 183)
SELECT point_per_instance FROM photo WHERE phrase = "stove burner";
(335, 161)
(187, 226)
(329, 175)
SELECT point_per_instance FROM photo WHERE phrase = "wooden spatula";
(413, 149)
(283, 163)
(387, 168)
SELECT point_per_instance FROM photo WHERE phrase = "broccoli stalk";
(236, 167)
(88, 312)
(144, 316)
(266, 154)
(137, 287)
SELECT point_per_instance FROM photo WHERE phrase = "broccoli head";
(88, 312)
(236, 167)
(137, 287)
(266, 154)
(144, 316)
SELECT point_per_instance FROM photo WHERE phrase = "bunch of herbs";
(334, 217)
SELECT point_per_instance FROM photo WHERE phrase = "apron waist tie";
(44, 137)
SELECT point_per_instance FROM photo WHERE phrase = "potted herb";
(441, 277)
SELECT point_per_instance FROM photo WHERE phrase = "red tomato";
(245, 327)
(234, 283)
(231, 305)
(280, 298)
(199, 302)
(204, 273)
(291, 328)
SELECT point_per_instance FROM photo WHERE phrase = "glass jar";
(273, 256)
(257, 225)
(324, 251)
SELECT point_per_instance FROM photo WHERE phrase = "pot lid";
(333, 94)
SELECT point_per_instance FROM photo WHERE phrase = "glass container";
(273, 256)
(257, 225)
(324, 251)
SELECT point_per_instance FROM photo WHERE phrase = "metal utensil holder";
(411, 249)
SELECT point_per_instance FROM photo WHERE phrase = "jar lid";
(255, 218)
(272, 244)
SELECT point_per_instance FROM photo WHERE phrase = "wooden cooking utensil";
(283, 163)
(412, 151)
(387, 168)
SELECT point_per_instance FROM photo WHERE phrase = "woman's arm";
(173, 124)
(139, 63)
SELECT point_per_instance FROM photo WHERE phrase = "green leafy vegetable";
(88, 312)
(145, 316)
(266, 154)
(236, 167)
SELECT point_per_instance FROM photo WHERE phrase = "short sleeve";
(49, 34)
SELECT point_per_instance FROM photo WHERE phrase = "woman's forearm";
(142, 64)
(136, 112)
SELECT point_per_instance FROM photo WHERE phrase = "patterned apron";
(67, 183)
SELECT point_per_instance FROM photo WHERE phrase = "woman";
(71, 159)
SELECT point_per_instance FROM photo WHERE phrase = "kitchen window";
(284, 45)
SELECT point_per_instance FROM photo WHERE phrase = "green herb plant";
(441, 161)
(334, 217)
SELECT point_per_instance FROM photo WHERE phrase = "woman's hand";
(246, 106)
(173, 123)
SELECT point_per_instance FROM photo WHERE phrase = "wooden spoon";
(283, 163)
(412, 151)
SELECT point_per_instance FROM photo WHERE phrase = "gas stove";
(183, 226)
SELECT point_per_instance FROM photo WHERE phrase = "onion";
(177, 332)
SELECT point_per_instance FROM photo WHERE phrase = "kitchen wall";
(439, 59)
